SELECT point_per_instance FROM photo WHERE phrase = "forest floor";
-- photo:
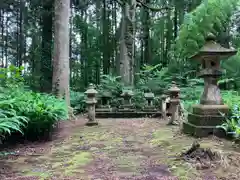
(117, 149)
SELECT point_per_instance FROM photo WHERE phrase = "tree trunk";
(146, 34)
(127, 42)
(60, 83)
(46, 51)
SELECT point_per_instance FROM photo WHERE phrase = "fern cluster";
(32, 114)
(211, 16)
(77, 100)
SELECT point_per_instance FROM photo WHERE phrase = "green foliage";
(11, 76)
(32, 114)
(231, 98)
(232, 70)
(42, 110)
(110, 84)
(9, 120)
(153, 78)
(77, 100)
(211, 16)
(24, 111)
(232, 124)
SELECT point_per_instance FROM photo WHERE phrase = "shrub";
(41, 110)
(232, 124)
(9, 120)
(231, 98)
(11, 77)
(77, 100)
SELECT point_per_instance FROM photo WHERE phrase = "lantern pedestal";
(204, 119)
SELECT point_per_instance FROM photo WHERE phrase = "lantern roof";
(213, 49)
(174, 87)
(127, 92)
(91, 90)
(149, 95)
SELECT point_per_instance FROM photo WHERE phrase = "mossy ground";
(120, 149)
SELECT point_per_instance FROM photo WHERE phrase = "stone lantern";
(174, 102)
(105, 98)
(91, 102)
(127, 104)
(149, 96)
(206, 115)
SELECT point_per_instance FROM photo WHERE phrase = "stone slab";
(205, 120)
(201, 109)
(198, 131)
(92, 123)
(103, 110)
(128, 114)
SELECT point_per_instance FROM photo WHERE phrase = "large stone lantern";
(206, 115)
(91, 103)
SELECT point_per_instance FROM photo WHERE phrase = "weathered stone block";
(201, 109)
(197, 131)
(204, 119)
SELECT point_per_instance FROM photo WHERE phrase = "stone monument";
(149, 96)
(104, 102)
(127, 104)
(91, 102)
(174, 103)
(206, 115)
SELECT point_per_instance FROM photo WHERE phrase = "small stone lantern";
(104, 106)
(149, 96)
(206, 115)
(91, 102)
(127, 104)
(174, 102)
(105, 97)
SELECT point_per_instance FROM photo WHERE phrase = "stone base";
(204, 119)
(92, 123)
(197, 131)
(147, 109)
(209, 109)
(128, 114)
(126, 110)
(104, 110)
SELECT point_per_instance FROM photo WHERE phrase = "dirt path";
(141, 149)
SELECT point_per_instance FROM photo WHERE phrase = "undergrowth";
(32, 114)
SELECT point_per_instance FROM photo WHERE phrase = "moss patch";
(124, 148)
(171, 145)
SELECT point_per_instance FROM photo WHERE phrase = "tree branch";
(152, 8)
(119, 2)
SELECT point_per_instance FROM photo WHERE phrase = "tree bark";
(127, 39)
(60, 83)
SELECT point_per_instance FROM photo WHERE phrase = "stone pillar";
(174, 103)
(164, 106)
(91, 103)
